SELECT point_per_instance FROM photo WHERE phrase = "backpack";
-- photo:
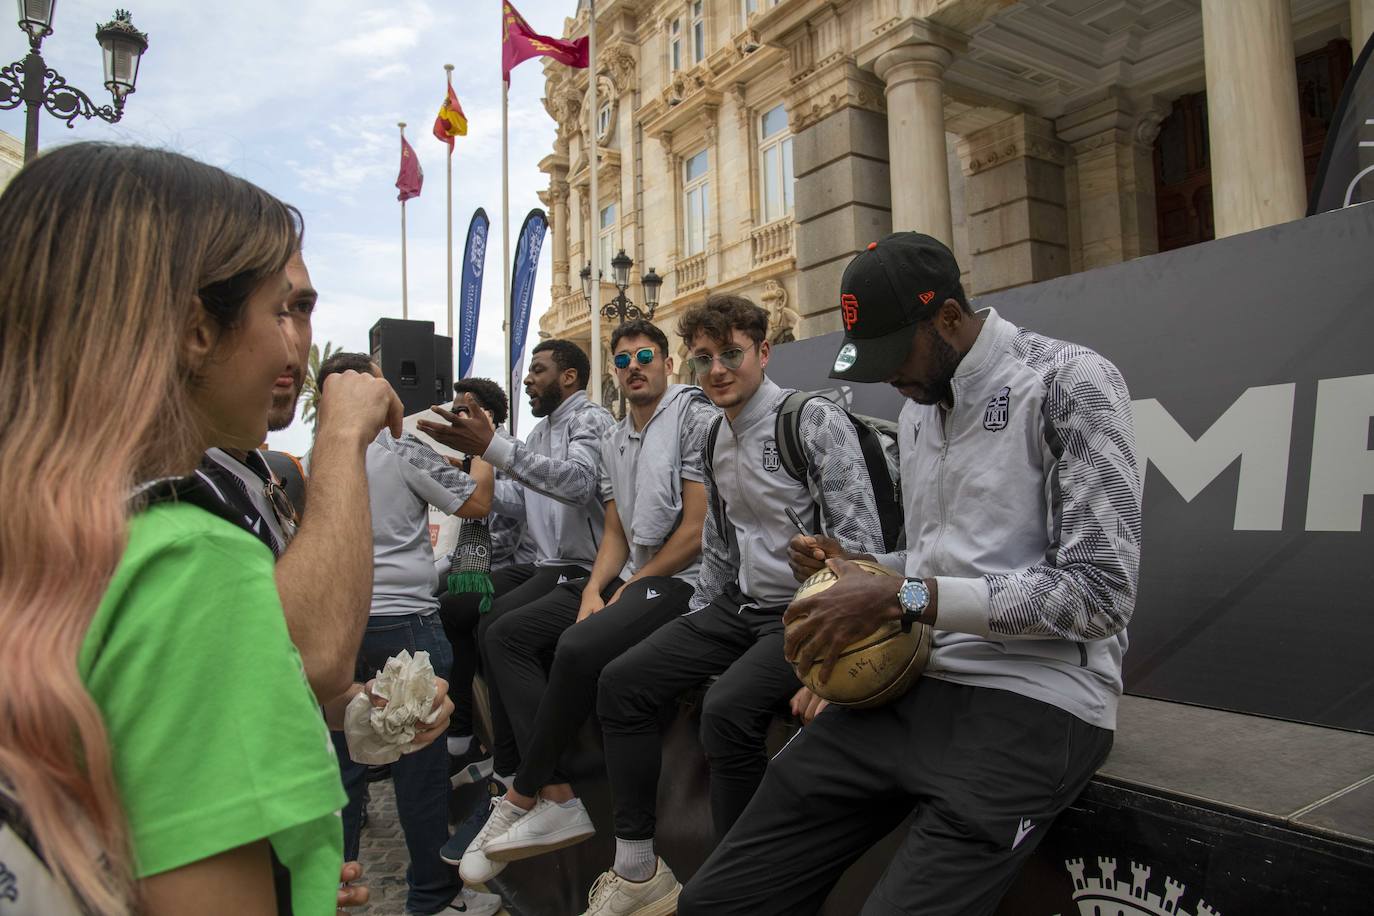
(877, 441)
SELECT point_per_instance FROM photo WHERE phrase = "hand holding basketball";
(826, 621)
(848, 613)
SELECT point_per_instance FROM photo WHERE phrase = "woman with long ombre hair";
(156, 728)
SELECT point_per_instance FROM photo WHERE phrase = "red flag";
(411, 178)
(520, 42)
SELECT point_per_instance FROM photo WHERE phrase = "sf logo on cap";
(849, 309)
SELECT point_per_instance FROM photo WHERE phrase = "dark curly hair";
(721, 314)
(487, 393)
(342, 362)
(640, 328)
(567, 355)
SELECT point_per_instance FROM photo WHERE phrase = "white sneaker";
(472, 903)
(476, 868)
(545, 827)
(613, 895)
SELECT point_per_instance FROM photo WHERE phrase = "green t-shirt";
(217, 739)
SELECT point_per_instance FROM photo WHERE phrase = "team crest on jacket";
(771, 459)
(995, 417)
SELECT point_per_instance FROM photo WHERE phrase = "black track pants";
(546, 710)
(744, 647)
(985, 770)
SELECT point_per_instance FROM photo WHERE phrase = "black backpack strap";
(787, 432)
(708, 462)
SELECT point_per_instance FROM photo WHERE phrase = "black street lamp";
(621, 309)
(31, 82)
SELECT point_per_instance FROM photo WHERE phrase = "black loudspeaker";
(443, 370)
(405, 351)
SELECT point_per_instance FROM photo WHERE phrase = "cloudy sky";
(302, 98)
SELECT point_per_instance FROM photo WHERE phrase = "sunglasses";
(731, 359)
(644, 355)
(282, 507)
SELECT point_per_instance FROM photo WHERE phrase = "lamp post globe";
(620, 269)
(122, 46)
(35, 17)
(651, 283)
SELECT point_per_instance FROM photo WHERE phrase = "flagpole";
(405, 295)
(595, 214)
(448, 74)
(505, 241)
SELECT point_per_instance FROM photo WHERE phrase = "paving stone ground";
(382, 851)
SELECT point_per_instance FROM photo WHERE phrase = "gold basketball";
(876, 669)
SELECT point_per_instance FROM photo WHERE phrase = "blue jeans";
(421, 778)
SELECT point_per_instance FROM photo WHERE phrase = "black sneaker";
(467, 831)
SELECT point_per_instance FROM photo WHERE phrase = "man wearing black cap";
(1022, 500)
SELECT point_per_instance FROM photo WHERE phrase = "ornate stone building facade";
(754, 146)
(11, 157)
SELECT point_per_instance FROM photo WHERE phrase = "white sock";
(570, 803)
(504, 780)
(457, 746)
(635, 859)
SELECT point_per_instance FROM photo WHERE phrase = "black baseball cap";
(889, 287)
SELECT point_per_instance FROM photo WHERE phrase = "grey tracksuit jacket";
(1023, 501)
(755, 492)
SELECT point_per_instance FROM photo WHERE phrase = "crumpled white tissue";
(379, 736)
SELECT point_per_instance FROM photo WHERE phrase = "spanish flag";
(451, 121)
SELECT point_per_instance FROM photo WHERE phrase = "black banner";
(1251, 363)
(1345, 175)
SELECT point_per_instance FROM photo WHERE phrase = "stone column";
(558, 191)
(1112, 181)
(839, 158)
(914, 78)
(1252, 110)
(1014, 189)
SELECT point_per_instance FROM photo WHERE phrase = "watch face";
(914, 595)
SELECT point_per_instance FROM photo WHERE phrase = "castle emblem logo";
(1127, 898)
(772, 461)
(995, 417)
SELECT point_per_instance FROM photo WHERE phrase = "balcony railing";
(773, 242)
(691, 273)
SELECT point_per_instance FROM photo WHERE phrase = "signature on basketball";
(875, 665)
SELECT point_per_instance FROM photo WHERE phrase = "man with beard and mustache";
(733, 629)
(553, 486)
(324, 561)
(653, 488)
(1022, 498)
(324, 569)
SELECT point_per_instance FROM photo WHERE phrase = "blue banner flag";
(470, 294)
(527, 246)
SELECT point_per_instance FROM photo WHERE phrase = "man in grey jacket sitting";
(734, 625)
(1022, 498)
(553, 486)
(643, 577)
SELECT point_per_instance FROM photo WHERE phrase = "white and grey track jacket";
(556, 472)
(1023, 502)
(755, 490)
